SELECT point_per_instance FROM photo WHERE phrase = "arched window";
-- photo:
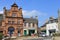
(14, 15)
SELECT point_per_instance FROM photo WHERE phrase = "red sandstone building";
(12, 20)
(13, 23)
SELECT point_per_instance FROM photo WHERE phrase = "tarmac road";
(43, 38)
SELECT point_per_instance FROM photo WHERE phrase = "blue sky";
(41, 8)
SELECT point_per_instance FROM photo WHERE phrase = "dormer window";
(14, 15)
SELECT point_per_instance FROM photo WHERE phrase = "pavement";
(34, 38)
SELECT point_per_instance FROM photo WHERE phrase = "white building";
(51, 26)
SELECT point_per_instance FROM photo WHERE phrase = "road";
(43, 38)
(36, 38)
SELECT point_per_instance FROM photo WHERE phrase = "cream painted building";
(30, 26)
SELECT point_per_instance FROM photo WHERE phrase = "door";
(10, 30)
(25, 32)
(18, 33)
(31, 32)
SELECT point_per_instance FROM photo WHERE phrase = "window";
(29, 24)
(14, 15)
(13, 22)
(56, 20)
(33, 24)
(18, 21)
(25, 24)
(9, 22)
(51, 21)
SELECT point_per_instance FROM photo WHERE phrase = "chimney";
(31, 17)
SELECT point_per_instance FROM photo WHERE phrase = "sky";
(31, 8)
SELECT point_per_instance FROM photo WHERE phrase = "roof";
(30, 20)
(47, 22)
(14, 5)
(55, 20)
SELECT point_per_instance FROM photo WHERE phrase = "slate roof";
(30, 20)
(55, 20)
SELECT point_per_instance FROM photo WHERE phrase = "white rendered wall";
(50, 27)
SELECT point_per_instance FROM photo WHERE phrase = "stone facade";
(50, 27)
(12, 22)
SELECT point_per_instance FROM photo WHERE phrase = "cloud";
(41, 15)
(33, 13)
(1, 12)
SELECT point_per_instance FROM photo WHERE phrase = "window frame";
(14, 15)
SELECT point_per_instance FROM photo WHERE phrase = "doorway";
(25, 32)
(19, 33)
(11, 30)
(31, 32)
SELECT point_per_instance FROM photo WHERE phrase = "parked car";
(42, 34)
